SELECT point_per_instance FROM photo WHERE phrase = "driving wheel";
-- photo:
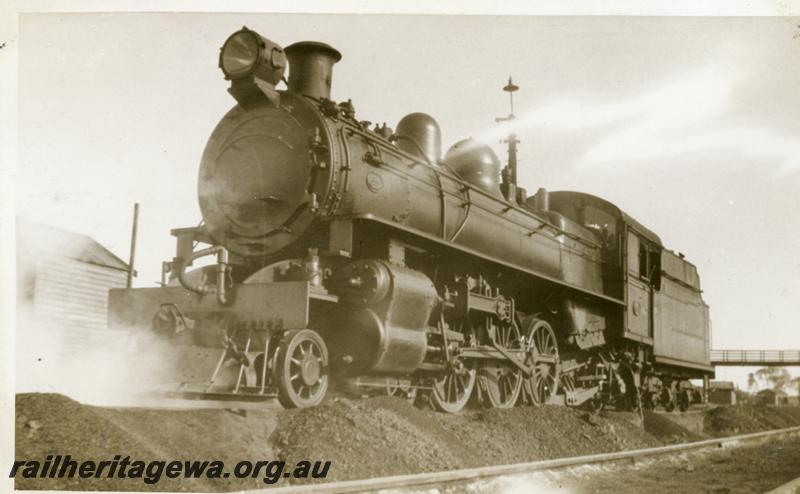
(451, 390)
(542, 354)
(501, 382)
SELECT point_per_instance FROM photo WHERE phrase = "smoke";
(691, 115)
(118, 368)
(64, 347)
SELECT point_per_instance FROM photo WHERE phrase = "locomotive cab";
(664, 308)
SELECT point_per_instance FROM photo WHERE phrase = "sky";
(689, 124)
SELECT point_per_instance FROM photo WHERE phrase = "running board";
(245, 398)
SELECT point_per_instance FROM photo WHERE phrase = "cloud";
(638, 143)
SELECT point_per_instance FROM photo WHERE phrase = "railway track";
(433, 479)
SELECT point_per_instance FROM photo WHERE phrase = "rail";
(755, 357)
(471, 474)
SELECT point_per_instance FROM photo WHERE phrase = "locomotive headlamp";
(239, 54)
(247, 54)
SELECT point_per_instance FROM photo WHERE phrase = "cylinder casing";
(382, 323)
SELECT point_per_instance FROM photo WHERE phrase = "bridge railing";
(756, 356)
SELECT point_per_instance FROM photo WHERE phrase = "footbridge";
(755, 358)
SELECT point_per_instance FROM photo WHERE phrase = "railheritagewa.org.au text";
(151, 472)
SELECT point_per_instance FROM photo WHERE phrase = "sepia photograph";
(449, 250)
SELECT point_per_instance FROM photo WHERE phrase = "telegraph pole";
(132, 258)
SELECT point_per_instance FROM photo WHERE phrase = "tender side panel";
(675, 267)
(682, 328)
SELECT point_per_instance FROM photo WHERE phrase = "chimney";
(311, 68)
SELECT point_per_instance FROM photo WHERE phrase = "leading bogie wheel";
(301, 369)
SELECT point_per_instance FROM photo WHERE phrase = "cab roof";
(570, 197)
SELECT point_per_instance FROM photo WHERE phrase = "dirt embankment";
(386, 436)
(664, 428)
(49, 424)
(743, 419)
(363, 438)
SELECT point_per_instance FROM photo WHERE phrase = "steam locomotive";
(354, 255)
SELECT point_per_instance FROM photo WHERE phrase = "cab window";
(634, 262)
(650, 263)
(644, 260)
